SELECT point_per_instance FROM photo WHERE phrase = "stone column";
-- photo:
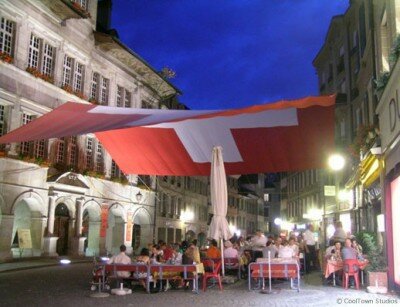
(50, 241)
(51, 215)
(79, 216)
(78, 240)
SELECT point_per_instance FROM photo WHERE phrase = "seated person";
(270, 248)
(213, 252)
(294, 246)
(334, 252)
(229, 251)
(286, 251)
(121, 258)
(156, 255)
(143, 258)
(358, 248)
(348, 252)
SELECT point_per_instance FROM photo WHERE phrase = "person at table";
(177, 254)
(167, 251)
(309, 240)
(358, 248)
(156, 255)
(213, 251)
(348, 252)
(271, 248)
(229, 251)
(143, 258)
(294, 246)
(258, 242)
(196, 252)
(339, 234)
(286, 251)
(334, 252)
(122, 258)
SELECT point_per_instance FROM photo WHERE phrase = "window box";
(36, 73)
(5, 57)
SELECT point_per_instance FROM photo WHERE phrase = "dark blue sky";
(230, 53)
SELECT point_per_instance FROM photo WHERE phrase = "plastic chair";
(351, 268)
(214, 274)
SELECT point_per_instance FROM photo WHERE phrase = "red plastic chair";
(351, 268)
(214, 274)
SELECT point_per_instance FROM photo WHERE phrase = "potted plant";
(377, 267)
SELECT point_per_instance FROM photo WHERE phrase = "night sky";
(230, 53)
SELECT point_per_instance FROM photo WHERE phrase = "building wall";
(93, 208)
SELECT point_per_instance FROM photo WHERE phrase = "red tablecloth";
(337, 265)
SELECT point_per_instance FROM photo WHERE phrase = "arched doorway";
(27, 216)
(91, 228)
(116, 229)
(61, 228)
(142, 230)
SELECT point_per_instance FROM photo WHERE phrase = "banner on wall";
(129, 226)
(104, 220)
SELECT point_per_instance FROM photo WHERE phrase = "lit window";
(95, 86)
(41, 55)
(127, 99)
(60, 151)
(40, 147)
(2, 120)
(72, 151)
(89, 153)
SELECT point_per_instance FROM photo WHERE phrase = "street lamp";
(336, 162)
(139, 197)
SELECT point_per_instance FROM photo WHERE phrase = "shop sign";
(129, 226)
(104, 220)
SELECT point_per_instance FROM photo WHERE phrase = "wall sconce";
(139, 197)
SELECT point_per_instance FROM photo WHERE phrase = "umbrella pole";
(222, 257)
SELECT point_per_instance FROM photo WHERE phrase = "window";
(123, 97)
(94, 87)
(41, 56)
(82, 3)
(67, 71)
(72, 151)
(120, 91)
(104, 91)
(99, 89)
(73, 73)
(89, 153)
(115, 171)
(26, 146)
(355, 39)
(2, 120)
(60, 150)
(99, 158)
(40, 149)
(78, 77)
(7, 36)
(361, 26)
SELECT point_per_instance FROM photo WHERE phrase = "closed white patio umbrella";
(219, 229)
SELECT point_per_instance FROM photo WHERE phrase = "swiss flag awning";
(282, 136)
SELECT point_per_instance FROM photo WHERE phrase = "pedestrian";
(309, 240)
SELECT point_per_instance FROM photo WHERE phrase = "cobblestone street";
(69, 286)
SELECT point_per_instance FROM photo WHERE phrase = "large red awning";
(282, 136)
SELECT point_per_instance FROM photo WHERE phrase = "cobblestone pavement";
(69, 286)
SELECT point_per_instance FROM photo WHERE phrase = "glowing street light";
(336, 162)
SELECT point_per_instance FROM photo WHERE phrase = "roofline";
(115, 39)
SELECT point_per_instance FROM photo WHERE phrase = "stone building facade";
(68, 194)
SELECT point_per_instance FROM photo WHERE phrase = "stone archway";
(142, 230)
(61, 228)
(28, 215)
(91, 228)
(116, 229)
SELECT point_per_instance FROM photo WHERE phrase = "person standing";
(258, 242)
(309, 241)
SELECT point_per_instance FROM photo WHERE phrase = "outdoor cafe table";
(332, 266)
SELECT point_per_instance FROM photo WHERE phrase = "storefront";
(389, 119)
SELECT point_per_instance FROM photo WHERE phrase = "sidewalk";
(31, 263)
